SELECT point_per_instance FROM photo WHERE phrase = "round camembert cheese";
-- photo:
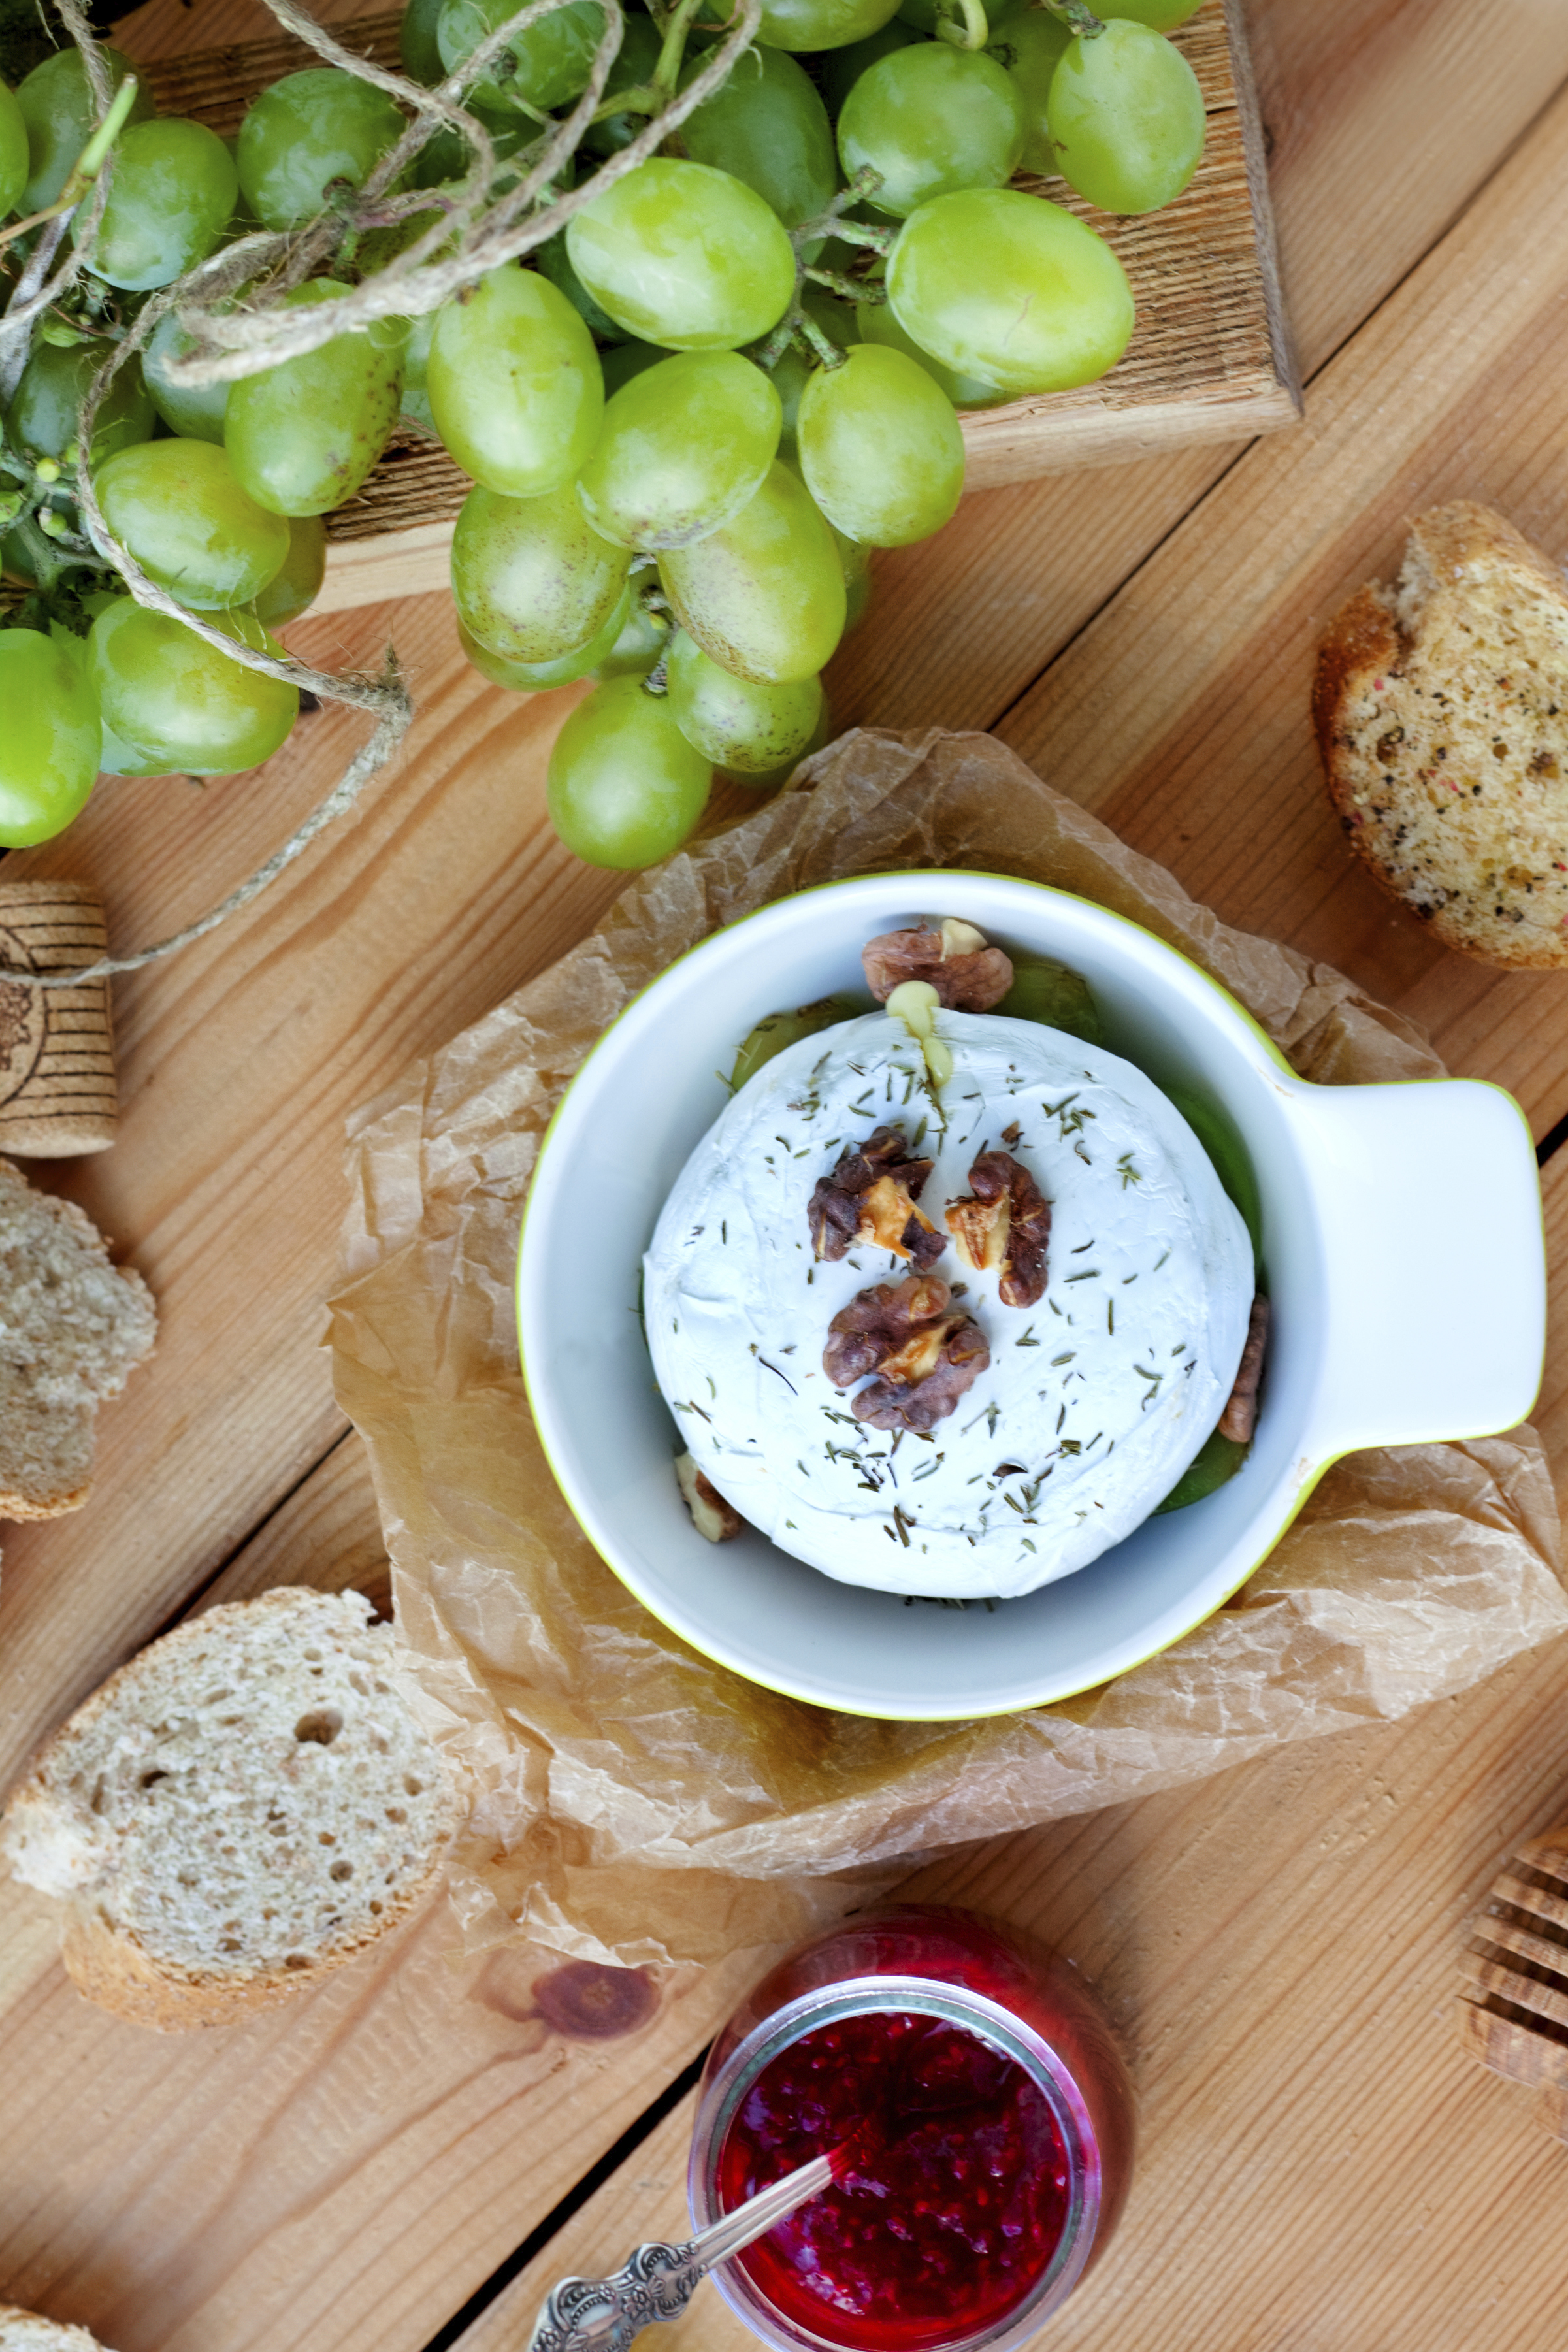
(1095, 1399)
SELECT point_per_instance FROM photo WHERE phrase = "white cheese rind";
(1129, 1356)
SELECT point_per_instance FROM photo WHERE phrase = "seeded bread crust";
(1441, 710)
(244, 1808)
(72, 1327)
(29, 2331)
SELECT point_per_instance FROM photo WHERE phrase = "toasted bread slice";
(71, 1327)
(237, 1813)
(29, 2331)
(1442, 718)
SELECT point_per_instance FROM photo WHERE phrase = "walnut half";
(926, 1353)
(1005, 1224)
(870, 1196)
(967, 974)
(711, 1516)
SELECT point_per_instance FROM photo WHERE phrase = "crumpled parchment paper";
(635, 1802)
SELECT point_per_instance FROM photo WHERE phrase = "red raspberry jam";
(991, 2123)
(952, 2205)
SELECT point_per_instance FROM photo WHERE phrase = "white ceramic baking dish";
(1401, 1246)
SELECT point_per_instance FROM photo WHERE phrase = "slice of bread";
(240, 1810)
(29, 2331)
(71, 1327)
(1442, 718)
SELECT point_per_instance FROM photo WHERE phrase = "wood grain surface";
(1324, 2170)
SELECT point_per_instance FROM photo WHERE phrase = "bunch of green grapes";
(219, 495)
(688, 418)
(739, 369)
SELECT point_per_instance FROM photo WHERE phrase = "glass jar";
(997, 2135)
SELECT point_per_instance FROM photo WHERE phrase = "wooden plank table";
(1323, 2169)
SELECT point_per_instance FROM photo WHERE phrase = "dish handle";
(1429, 1203)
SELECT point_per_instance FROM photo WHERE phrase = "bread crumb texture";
(29, 2331)
(245, 1805)
(1442, 717)
(71, 1327)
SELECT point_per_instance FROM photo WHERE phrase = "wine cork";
(58, 1093)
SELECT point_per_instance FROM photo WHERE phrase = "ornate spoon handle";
(658, 2281)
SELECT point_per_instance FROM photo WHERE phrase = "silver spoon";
(658, 2281)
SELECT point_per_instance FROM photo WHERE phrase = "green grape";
(537, 677)
(880, 447)
(1010, 288)
(777, 1030)
(633, 69)
(840, 69)
(1045, 990)
(295, 588)
(1031, 47)
(43, 413)
(763, 595)
(175, 702)
(686, 446)
(1216, 1460)
(303, 435)
(552, 59)
(514, 383)
(1163, 16)
(50, 745)
(743, 725)
(768, 127)
(189, 521)
(877, 325)
(682, 255)
(531, 577)
(415, 395)
(624, 787)
(1126, 117)
(195, 412)
(821, 24)
(623, 360)
(170, 202)
(307, 131)
(12, 151)
(448, 156)
(770, 782)
(642, 639)
(55, 104)
(556, 264)
(931, 119)
(417, 44)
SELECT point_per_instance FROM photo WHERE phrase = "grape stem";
(658, 679)
(1082, 20)
(798, 326)
(87, 164)
(848, 290)
(966, 30)
(35, 290)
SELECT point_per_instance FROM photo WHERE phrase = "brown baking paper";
(634, 1801)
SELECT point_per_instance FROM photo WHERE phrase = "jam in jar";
(974, 2085)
